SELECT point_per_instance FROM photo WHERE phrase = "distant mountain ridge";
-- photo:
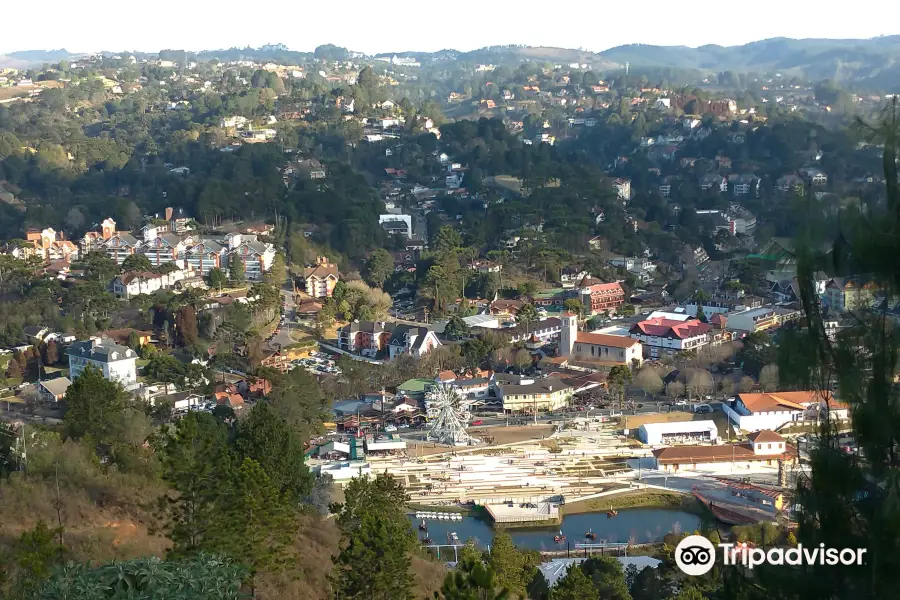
(872, 63)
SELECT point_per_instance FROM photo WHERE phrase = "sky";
(374, 27)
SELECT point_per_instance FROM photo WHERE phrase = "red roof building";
(599, 297)
(670, 334)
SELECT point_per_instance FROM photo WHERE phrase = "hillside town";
(536, 295)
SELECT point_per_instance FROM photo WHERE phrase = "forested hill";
(875, 61)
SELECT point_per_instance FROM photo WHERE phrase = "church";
(600, 349)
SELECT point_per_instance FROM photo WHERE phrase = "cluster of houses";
(169, 241)
(506, 392)
(110, 354)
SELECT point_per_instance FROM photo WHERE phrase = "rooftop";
(602, 339)
(780, 401)
(57, 386)
(101, 350)
(543, 386)
(724, 453)
(662, 327)
(765, 436)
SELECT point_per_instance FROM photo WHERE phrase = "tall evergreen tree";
(236, 270)
(471, 580)
(94, 406)
(376, 541)
(574, 585)
(195, 459)
(267, 438)
(258, 521)
(851, 500)
(513, 568)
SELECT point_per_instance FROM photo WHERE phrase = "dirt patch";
(511, 435)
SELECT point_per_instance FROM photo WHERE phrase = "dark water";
(641, 524)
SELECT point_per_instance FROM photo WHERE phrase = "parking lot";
(318, 363)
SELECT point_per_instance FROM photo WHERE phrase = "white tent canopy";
(660, 433)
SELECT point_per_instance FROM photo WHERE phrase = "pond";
(638, 525)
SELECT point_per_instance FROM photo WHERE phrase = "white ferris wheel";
(448, 416)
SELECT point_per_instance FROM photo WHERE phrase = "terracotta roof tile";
(603, 339)
(765, 436)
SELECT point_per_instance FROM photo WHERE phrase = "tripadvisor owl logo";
(695, 555)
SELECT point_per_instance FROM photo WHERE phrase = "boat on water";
(559, 539)
(423, 526)
(453, 537)
(591, 535)
(427, 541)
(611, 513)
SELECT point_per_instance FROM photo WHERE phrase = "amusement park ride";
(448, 416)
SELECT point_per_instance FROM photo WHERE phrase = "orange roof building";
(742, 456)
(599, 349)
(773, 411)
(320, 279)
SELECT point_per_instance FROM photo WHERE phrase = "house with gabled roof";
(257, 257)
(365, 337)
(204, 256)
(54, 390)
(115, 362)
(849, 293)
(600, 349)
(163, 249)
(758, 411)
(320, 279)
(673, 335)
(412, 340)
(764, 448)
(120, 246)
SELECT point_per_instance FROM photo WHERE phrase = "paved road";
(283, 337)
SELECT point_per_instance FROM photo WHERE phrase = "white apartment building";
(116, 363)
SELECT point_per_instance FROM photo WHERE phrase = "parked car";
(476, 423)
(390, 428)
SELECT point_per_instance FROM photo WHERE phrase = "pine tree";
(94, 406)
(574, 585)
(471, 580)
(216, 278)
(195, 460)
(266, 437)
(849, 501)
(186, 320)
(52, 353)
(510, 565)
(607, 577)
(257, 521)
(13, 369)
(34, 555)
(236, 270)
(376, 541)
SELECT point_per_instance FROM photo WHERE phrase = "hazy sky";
(427, 26)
